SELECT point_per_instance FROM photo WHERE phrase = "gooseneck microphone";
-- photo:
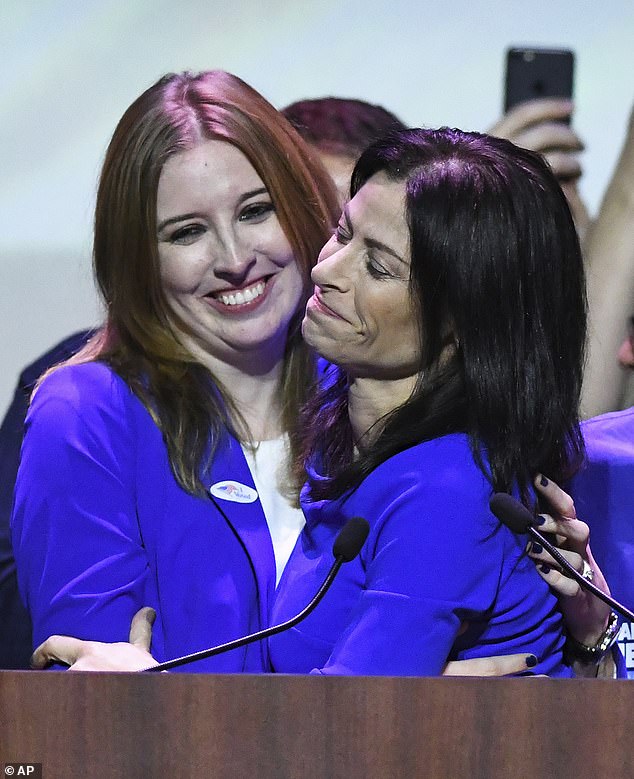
(347, 546)
(520, 520)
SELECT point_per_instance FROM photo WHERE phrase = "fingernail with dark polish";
(544, 568)
(537, 548)
(539, 520)
(531, 661)
(543, 481)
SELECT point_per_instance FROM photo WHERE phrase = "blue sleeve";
(432, 561)
(82, 568)
(15, 636)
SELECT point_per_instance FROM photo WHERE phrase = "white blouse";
(284, 520)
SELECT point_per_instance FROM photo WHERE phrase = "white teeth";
(243, 295)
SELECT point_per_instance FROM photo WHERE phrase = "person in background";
(610, 269)
(604, 494)
(340, 129)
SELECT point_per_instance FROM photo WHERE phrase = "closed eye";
(375, 269)
(341, 234)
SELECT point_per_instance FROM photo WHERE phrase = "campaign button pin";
(233, 491)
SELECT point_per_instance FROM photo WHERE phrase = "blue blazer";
(101, 528)
(15, 636)
(603, 492)
(435, 558)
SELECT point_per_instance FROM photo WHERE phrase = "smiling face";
(227, 269)
(361, 314)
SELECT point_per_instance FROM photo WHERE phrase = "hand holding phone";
(538, 105)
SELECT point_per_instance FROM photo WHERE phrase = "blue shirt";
(603, 492)
(101, 528)
(435, 558)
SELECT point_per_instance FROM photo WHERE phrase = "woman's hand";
(97, 656)
(498, 665)
(585, 616)
(542, 125)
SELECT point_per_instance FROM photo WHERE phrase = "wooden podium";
(300, 727)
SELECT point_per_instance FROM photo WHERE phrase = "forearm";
(610, 278)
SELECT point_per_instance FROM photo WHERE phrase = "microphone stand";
(238, 642)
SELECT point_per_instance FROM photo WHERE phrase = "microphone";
(347, 546)
(520, 520)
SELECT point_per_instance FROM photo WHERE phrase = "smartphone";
(533, 72)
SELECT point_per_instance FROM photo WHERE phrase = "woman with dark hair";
(210, 212)
(451, 302)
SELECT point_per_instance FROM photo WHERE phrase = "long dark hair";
(497, 269)
(139, 339)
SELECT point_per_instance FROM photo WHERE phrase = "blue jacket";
(435, 557)
(15, 636)
(101, 528)
(603, 491)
